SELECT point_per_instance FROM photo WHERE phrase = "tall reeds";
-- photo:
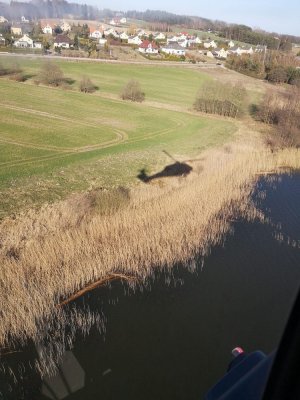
(49, 255)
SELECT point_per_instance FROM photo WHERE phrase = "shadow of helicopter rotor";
(181, 169)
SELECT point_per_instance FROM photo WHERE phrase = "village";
(94, 38)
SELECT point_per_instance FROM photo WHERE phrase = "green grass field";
(54, 141)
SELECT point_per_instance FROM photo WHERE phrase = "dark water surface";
(173, 341)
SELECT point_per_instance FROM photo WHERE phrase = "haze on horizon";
(270, 15)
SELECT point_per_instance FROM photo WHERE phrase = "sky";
(271, 15)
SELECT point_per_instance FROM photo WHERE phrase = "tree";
(86, 85)
(50, 74)
(132, 91)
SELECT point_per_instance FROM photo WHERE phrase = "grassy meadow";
(57, 141)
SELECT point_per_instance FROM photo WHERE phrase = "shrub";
(86, 85)
(18, 77)
(50, 74)
(132, 91)
(278, 75)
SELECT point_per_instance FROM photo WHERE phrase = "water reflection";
(172, 340)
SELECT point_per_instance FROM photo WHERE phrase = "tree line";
(274, 66)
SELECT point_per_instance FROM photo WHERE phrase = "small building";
(230, 44)
(62, 41)
(220, 53)
(148, 47)
(102, 41)
(210, 44)
(65, 26)
(95, 34)
(24, 20)
(123, 20)
(135, 40)
(3, 19)
(111, 32)
(124, 36)
(173, 49)
(16, 30)
(37, 45)
(160, 36)
(24, 42)
(47, 29)
(2, 40)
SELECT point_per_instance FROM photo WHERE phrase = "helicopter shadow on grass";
(180, 169)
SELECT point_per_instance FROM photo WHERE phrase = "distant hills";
(159, 20)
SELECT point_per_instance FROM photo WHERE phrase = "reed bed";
(48, 256)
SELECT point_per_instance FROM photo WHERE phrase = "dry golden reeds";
(49, 255)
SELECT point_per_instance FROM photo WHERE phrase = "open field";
(55, 141)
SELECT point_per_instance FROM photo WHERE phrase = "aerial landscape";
(149, 198)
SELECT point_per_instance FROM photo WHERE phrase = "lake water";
(173, 339)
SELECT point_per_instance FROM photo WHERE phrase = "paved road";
(156, 63)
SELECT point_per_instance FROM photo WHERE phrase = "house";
(3, 19)
(111, 32)
(24, 20)
(141, 32)
(113, 22)
(194, 40)
(135, 40)
(95, 34)
(241, 50)
(159, 36)
(65, 26)
(148, 47)
(210, 43)
(173, 49)
(230, 44)
(62, 41)
(123, 20)
(260, 49)
(16, 30)
(47, 29)
(2, 40)
(209, 54)
(220, 53)
(102, 41)
(124, 36)
(24, 42)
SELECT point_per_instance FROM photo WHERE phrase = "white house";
(112, 32)
(2, 40)
(135, 40)
(220, 53)
(174, 49)
(3, 19)
(123, 20)
(95, 34)
(113, 22)
(124, 36)
(241, 50)
(102, 41)
(24, 42)
(209, 54)
(62, 41)
(148, 47)
(141, 32)
(160, 36)
(209, 44)
(65, 26)
(194, 40)
(230, 44)
(24, 20)
(47, 29)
